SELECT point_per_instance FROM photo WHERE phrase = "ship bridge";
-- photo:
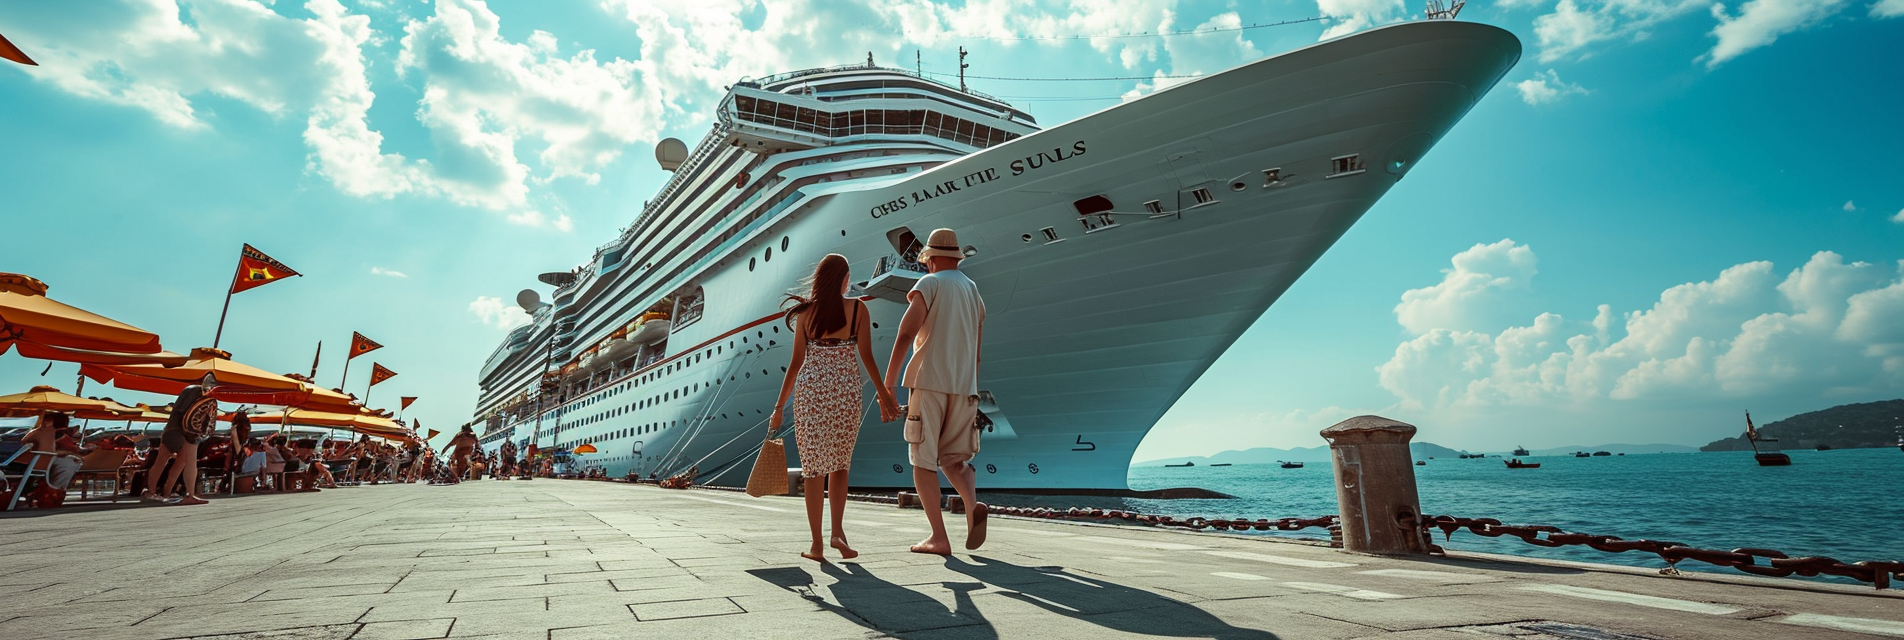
(837, 105)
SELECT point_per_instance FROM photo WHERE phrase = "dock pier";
(570, 559)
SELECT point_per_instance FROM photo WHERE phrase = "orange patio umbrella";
(238, 382)
(46, 398)
(43, 328)
(585, 448)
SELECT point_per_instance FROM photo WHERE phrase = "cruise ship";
(1119, 254)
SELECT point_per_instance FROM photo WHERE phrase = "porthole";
(783, 243)
(842, 233)
(1026, 237)
(898, 469)
(991, 468)
(1033, 468)
(776, 328)
(769, 255)
(750, 264)
(1238, 186)
(875, 325)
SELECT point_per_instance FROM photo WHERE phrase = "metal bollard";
(1375, 486)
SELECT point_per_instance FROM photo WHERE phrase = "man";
(942, 326)
(508, 454)
(194, 416)
(52, 434)
(462, 448)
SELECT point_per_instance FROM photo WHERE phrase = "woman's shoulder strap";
(852, 332)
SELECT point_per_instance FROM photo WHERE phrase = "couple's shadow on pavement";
(874, 603)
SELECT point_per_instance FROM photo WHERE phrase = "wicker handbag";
(770, 470)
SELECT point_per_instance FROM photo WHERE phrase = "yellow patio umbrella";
(46, 398)
(43, 328)
(238, 382)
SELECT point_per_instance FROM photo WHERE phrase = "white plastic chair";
(6, 481)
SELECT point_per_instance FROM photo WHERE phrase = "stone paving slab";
(575, 560)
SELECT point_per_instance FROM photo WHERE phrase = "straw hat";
(943, 243)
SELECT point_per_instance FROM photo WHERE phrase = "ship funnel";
(671, 152)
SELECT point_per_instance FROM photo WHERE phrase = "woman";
(194, 416)
(827, 411)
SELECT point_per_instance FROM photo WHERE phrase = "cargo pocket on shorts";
(915, 429)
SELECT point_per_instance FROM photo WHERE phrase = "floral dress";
(827, 406)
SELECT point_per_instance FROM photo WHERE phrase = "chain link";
(1219, 524)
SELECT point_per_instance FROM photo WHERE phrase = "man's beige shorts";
(939, 428)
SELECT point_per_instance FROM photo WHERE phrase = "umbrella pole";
(221, 319)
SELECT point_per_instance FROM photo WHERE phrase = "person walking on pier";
(827, 411)
(944, 321)
(461, 447)
(194, 416)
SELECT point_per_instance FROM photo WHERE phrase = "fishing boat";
(1516, 463)
(1602, 454)
(1764, 450)
(1582, 454)
(1520, 450)
(1185, 464)
(1472, 456)
(1290, 465)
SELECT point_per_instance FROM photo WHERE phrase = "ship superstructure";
(1119, 254)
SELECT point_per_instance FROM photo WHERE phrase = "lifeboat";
(649, 328)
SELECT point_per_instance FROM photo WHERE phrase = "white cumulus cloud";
(1760, 22)
(1546, 87)
(532, 218)
(1887, 8)
(1850, 206)
(1828, 329)
(493, 311)
(380, 271)
(1574, 27)
(1477, 277)
(1899, 218)
(1350, 16)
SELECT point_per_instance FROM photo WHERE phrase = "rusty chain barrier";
(1777, 564)
(1219, 524)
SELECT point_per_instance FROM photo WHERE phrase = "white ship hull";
(1091, 338)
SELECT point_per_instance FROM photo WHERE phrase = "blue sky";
(1669, 212)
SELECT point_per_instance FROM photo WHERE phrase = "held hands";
(889, 409)
(773, 422)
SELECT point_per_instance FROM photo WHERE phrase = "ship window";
(1154, 207)
(769, 257)
(1344, 165)
(1272, 177)
(750, 264)
(1026, 237)
(1051, 235)
(1203, 196)
(783, 242)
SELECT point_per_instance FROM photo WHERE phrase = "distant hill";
(1420, 451)
(1846, 426)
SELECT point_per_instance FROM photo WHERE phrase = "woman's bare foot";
(191, 500)
(934, 546)
(816, 554)
(846, 552)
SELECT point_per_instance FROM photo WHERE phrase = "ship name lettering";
(888, 208)
(940, 189)
(1019, 167)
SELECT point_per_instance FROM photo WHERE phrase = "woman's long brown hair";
(824, 307)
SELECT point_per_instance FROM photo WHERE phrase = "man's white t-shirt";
(945, 353)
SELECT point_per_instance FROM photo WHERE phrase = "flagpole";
(221, 319)
(346, 377)
(314, 359)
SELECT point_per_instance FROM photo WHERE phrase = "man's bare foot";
(846, 552)
(934, 546)
(975, 526)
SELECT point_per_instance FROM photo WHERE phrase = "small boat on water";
(1824, 447)
(1515, 463)
(1290, 465)
(1186, 463)
(1764, 450)
(1582, 454)
(1220, 464)
(1520, 450)
(1602, 454)
(1421, 463)
(1471, 456)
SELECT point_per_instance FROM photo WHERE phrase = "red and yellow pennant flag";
(432, 435)
(10, 52)
(255, 269)
(405, 402)
(360, 345)
(379, 373)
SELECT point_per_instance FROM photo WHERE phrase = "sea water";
(1847, 504)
